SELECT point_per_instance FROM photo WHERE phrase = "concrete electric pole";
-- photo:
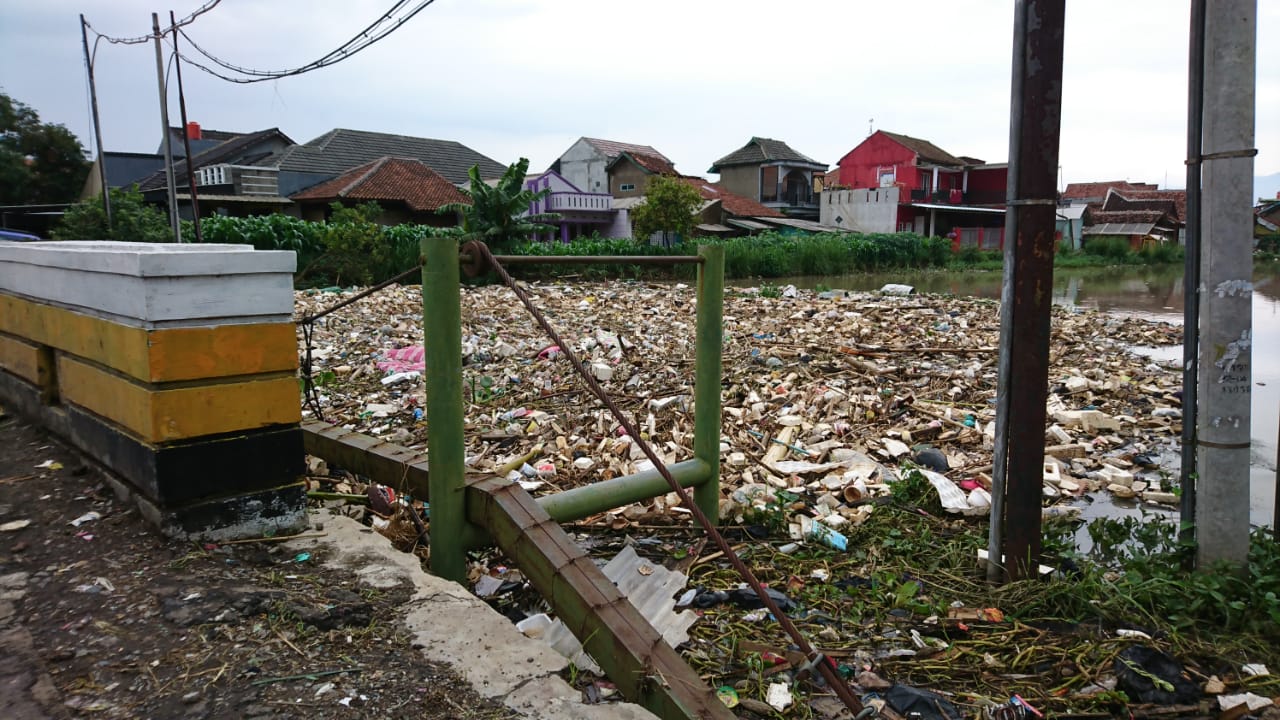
(1226, 289)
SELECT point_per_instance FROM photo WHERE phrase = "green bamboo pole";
(442, 328)
(598, 497)
(710, 339)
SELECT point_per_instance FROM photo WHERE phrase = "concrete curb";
(457, 629)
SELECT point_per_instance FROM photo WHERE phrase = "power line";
(140, 39)
(360, 41)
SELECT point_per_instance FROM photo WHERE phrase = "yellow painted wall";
(159, 415)
(162, 355)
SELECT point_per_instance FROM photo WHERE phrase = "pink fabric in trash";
(405, 359)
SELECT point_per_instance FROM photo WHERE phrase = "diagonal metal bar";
(633, 654)
(825, 667)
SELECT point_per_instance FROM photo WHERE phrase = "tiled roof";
(927, 151)
(388, 179)
(732, 203)
(229, 151)
(1102, 217)
(208, 140)
(651, 164)
(612, 148)
(1098, 190)
(1152, 197)
(762, 150)
(339, 150)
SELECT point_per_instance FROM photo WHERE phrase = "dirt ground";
(108, 619)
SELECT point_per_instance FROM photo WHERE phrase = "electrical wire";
(209, 5)
(359, 42)
(355, 38)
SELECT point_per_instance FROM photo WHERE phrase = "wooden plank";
(166, 415)
(645, 668)
(158, 355)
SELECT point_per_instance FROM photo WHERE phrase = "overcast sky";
(694, 78)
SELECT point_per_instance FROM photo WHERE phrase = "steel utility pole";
(97, 125)
(186, 133)
(1226, 293)
(1026, 296)
(1191, 273)
(168, 145)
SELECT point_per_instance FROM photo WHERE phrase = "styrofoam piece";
(153, 285)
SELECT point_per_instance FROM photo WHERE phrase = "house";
(898, 183)
(340, 149)
(231, 177)
(773, 174)
(199, 138)
(630, 171)
(585, 163)
(1095, 192)
(1168, 224)
(581, 213)
(407, 190)
(1138, 228)
(124, 169)
(1266, 217)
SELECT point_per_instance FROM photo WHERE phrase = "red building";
(936, 192)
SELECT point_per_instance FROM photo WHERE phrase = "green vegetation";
(135, 220)
(495, 212)
(909, 567)
(349, 249)
(767, 255)
(670, 208)
(39, 162)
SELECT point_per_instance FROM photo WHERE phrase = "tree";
(498, 212)
(39, 162)
(670, 206)
(135, 220)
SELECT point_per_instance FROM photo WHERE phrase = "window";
(887, 176)
(626, 186)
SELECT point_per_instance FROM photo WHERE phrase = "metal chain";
(813, 657)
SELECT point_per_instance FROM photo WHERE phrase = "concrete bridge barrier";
(174, 366)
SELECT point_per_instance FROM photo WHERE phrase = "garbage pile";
(829, 396)
(860, 423)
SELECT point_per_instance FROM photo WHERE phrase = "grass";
(907, 568)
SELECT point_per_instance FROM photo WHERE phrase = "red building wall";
(991, 179)
(858, 167)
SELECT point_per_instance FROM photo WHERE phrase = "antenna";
(870, 125)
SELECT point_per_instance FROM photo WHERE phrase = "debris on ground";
(857, 428)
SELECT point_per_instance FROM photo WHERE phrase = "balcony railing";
(579, 202)
(959, 197)
(793, 196)
(242, 179)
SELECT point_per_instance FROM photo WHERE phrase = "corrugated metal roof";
(1119, 229)
(651, 588)
(714, 228)
(748, 224)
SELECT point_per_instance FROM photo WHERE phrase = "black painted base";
(192, 488)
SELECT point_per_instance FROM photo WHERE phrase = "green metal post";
(446, 446)
(706, 421)
(587, 500)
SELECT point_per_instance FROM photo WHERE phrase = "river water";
(1155, 294)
